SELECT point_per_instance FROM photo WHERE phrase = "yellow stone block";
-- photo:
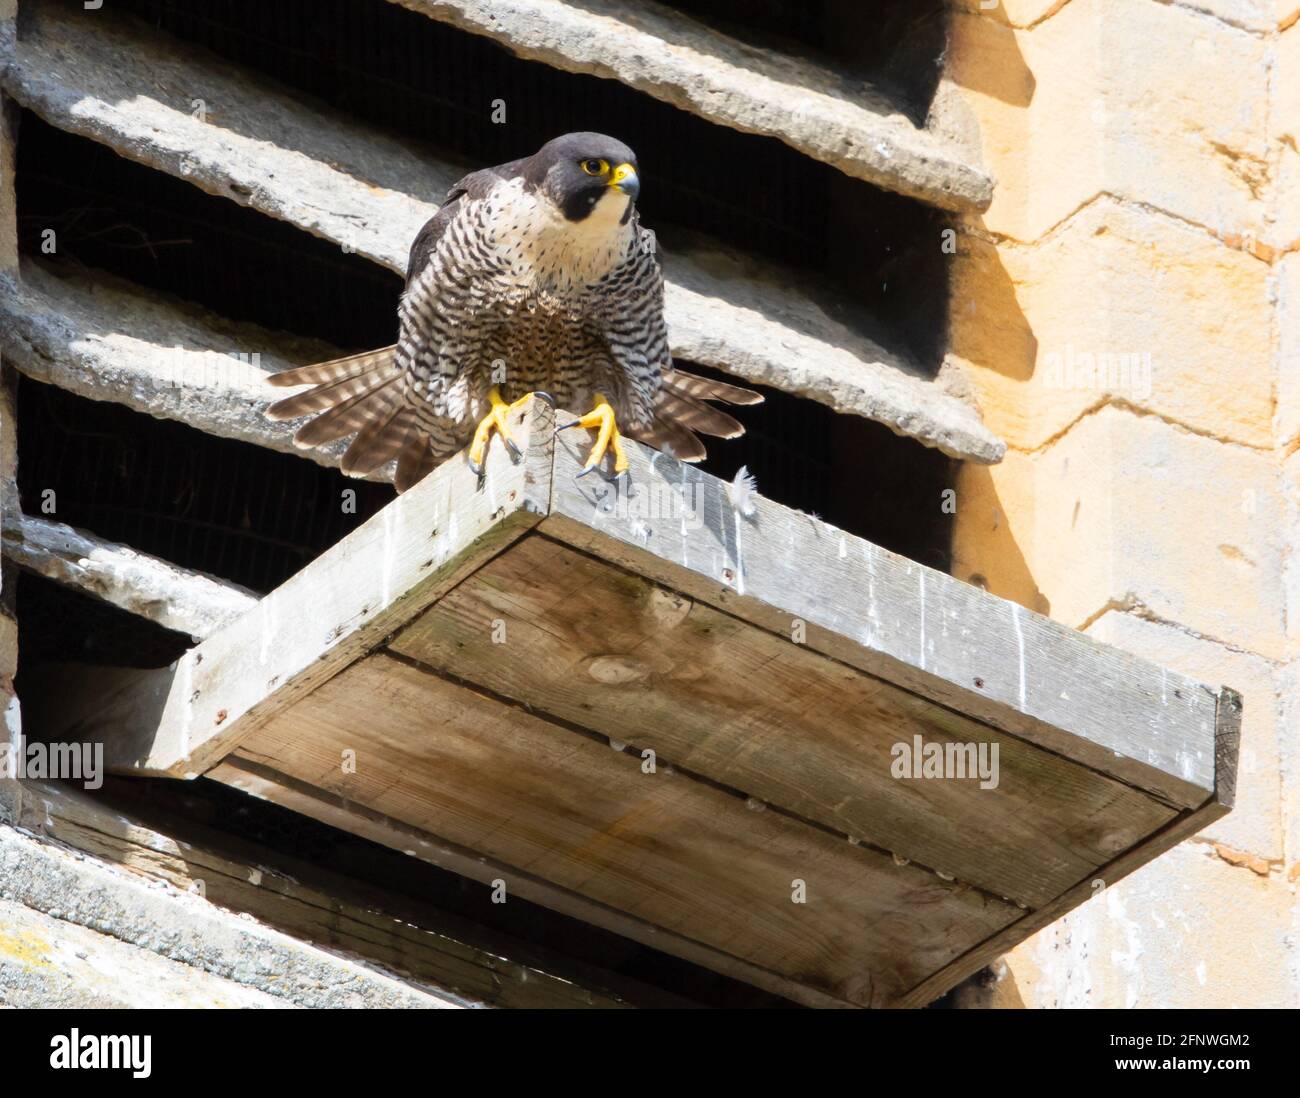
(1149, 102)
(1121, 303)
(1291, 537)
(1253, 14)
(995, 517)
(1287, 681)
(1284, 128)
(1288, 361)
(1126, 510)
(1187, 930)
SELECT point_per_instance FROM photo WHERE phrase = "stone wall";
(1128, 312)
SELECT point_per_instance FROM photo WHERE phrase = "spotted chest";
(518, 296)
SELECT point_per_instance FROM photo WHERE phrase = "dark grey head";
(579, 169)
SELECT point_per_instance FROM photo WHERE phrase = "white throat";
(548, 250)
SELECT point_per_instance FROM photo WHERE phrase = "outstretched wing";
(367, 393)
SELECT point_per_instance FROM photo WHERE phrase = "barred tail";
(363, 394)
(680, 412)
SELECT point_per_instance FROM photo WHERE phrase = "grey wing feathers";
(361, 393)
(703, 388)
(366, 393)
(680, 412)
(324, 373)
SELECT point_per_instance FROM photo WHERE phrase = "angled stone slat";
(104, 339)
(174, 597)
(650, 47)
(117, 82)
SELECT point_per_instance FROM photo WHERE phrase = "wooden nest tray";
(688, 725)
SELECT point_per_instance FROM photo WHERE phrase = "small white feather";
(742, 490)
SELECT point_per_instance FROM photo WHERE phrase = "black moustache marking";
(578, 206)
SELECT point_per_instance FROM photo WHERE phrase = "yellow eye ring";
(595, 167)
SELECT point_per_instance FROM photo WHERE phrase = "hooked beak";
(626, 180)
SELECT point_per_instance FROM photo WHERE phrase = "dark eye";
(595, 167)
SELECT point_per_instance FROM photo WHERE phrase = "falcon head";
(587, 176)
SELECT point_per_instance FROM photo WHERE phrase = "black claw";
(589, 469)
(476, 468)
(566, 426)
(516, 454)
(545, 396)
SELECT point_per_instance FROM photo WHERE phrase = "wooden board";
(404, 936)
(672, 851)
(499, 658)
(577, 639)
(924, 630)
(184, 718)
(267, 784)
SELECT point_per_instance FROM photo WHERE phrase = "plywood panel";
(182, 719)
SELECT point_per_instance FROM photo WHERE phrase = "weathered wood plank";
(573, 637)
(1187, 824)
(664, 847)
(521, 784)
(296, 898)
(191, 714)
(268, 784)
(921, 629)
(117, 82)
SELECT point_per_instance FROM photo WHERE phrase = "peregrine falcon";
(533, 276)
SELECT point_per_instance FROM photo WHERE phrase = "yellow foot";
(601, 420)
(496, 417)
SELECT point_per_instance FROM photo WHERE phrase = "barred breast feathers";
(501, 271)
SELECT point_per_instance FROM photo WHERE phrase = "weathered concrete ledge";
(103, 340)
(117, 82)
(672, 57)
(180, 926)
(406, 938)
(46, 963)
(174, 597)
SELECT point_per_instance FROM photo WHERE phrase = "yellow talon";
(601, 419)
(496, 417)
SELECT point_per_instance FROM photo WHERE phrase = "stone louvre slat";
(173, 597)
(662, 53)
(118, 83)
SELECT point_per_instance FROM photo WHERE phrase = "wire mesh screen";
(228, 508)
(163, 233)
(57, 624)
